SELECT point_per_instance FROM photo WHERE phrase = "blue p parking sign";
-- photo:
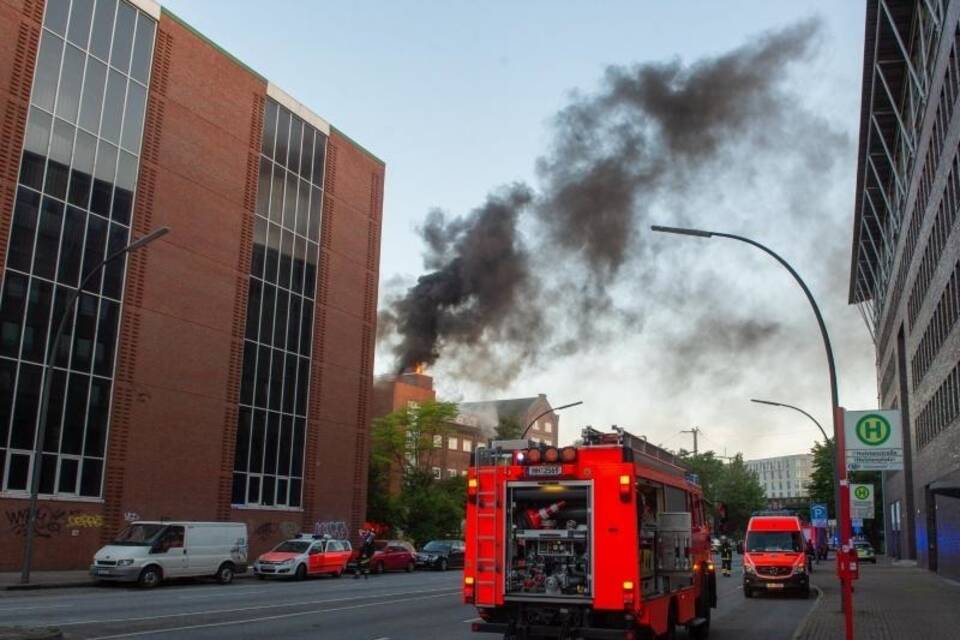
(818, 515)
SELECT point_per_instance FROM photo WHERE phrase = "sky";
(461, 98)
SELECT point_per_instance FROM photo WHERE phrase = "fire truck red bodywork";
(614, 605)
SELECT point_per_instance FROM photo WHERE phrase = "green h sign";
(873, 430)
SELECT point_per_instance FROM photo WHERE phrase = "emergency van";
(606, 539)
(774, 556)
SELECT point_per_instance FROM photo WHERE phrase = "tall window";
(74, 202)
(268, 466)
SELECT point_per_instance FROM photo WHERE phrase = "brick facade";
(174, 412)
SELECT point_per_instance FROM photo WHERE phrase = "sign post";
(843, 570)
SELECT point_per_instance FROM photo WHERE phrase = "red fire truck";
(607, 539)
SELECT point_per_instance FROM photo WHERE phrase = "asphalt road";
(419, 606)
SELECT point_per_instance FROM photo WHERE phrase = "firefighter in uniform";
(726, 555)
(367, 549)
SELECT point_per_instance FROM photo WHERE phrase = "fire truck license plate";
(545, 470)
(774, 585)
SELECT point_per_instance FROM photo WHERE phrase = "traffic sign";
(818, 515)
(873, 440)
(861, 501)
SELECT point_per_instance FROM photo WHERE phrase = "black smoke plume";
(649, 135)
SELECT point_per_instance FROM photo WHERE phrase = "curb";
(803, 623)
(76, 585)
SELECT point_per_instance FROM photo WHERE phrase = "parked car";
(304, 556)
(149, 552)
(441, 554)
(865, 552)
(390, 555)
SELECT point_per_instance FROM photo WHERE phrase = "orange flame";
(419, 368)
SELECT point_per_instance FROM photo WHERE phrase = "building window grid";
(941, 324)
(272, 220)
(940, 411)
(57, 289)
(944, 114)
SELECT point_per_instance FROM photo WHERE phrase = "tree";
(731, 484)
(822, 477)
(404, 438)
(508, 429)
(402, 452)
(741, 492)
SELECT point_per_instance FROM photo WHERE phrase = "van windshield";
(760, 541)
(137, 535)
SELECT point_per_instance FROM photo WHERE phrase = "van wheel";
(805, 593)
(301, 573)
(149, 577)
(225, 573)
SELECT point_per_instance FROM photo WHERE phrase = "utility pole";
(695, 431)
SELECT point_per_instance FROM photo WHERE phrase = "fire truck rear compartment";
(549, 541)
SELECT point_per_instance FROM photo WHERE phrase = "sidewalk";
(10, 580)
(889, 602)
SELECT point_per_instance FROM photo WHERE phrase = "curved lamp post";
(45, 393)
(548, 411)
(841, 485)
(790, 406)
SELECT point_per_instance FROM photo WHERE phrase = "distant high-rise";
(905, 270)
(783, 477)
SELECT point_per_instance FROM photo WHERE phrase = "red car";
(302, 557)
(390, 555)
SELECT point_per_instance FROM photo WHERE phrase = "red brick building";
(450, 455)
(476, 423)
(222, 373)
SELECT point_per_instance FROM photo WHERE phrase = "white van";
(148, 552)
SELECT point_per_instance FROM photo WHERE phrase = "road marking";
(268, 618)
(472, 620)
(184, 614)
(49, 606)
(222, 595)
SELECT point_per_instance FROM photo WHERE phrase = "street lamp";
(45, 393)
(551, 410)
(790, 406)
(841, 476)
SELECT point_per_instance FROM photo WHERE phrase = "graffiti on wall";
(50, 521)
(333, 528)
(85, 521)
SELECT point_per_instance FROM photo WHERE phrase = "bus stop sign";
(874, 440)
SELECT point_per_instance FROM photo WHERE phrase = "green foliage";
(508, 429)
(404, 438)
(432, 509)
(822, 477)
(730, 483)
(403, 451)
(739, 489)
